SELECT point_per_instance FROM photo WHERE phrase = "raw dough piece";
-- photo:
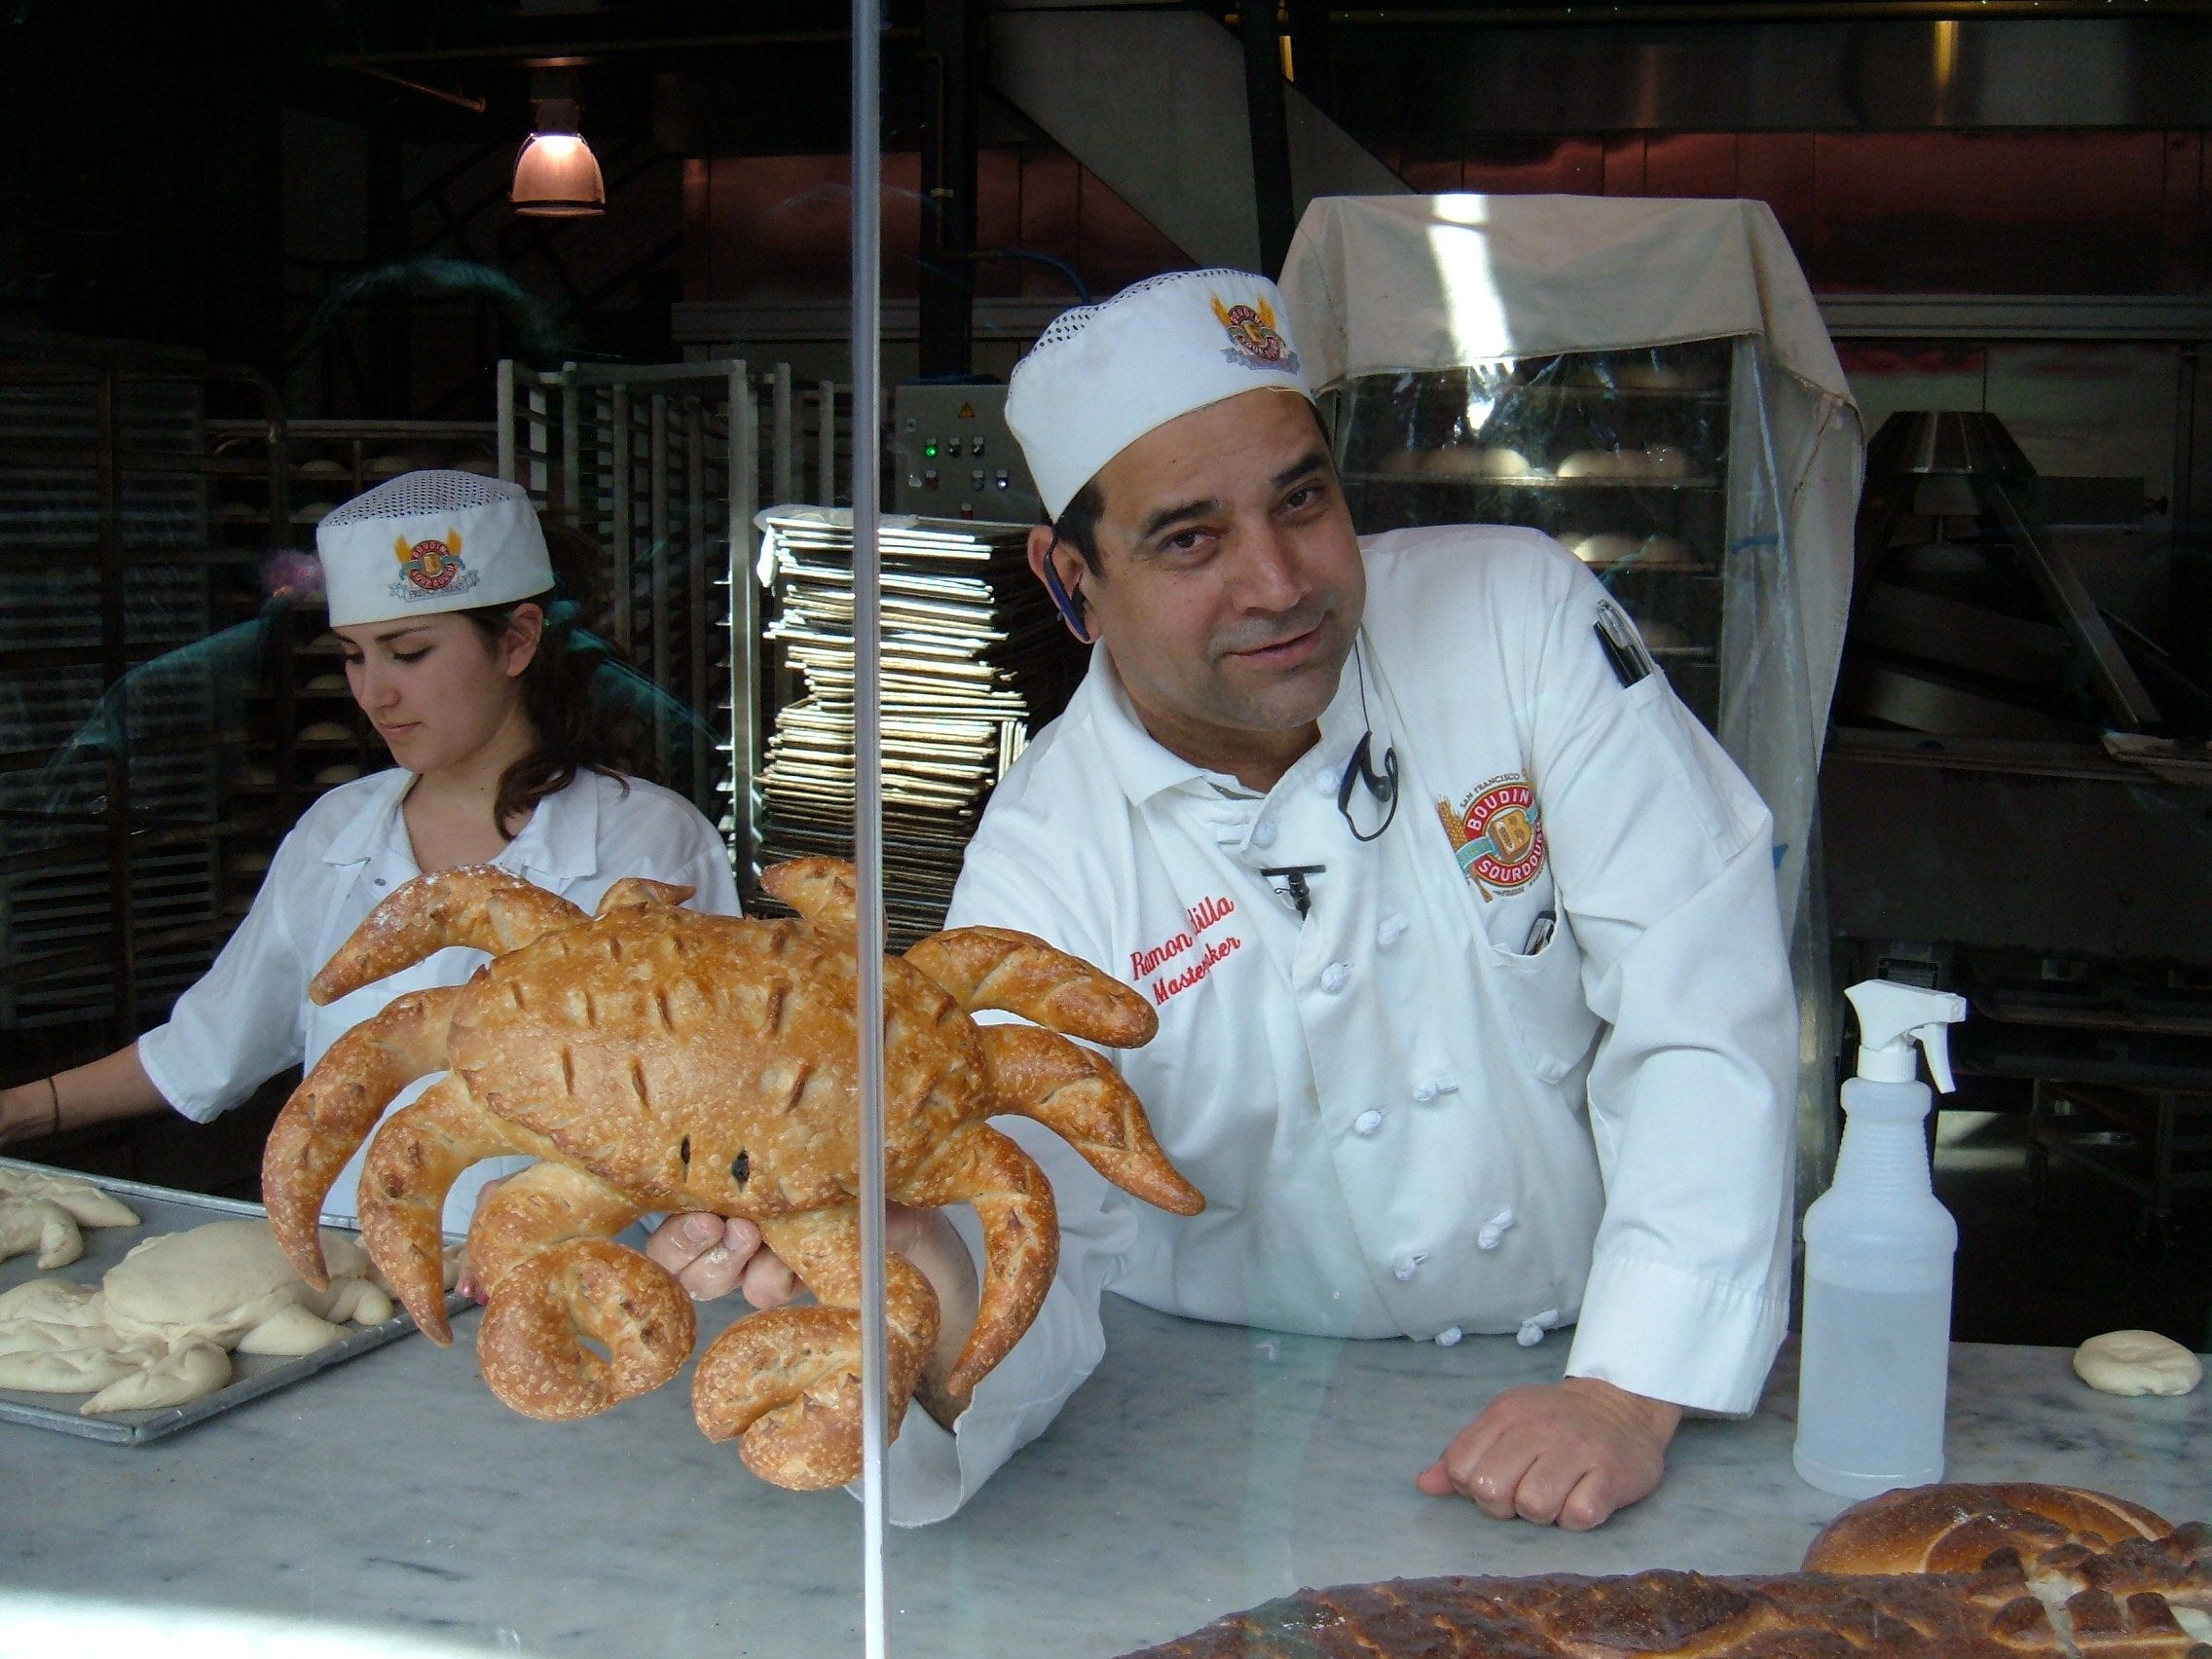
(217, 1282)
(184, 1373)
(86, 1203)
(41, 1225)
(326, 683)
(1606, 548)
(324, 731)
(344, 772)
(157, 1331)
(1589, 464)
(2137, 1362)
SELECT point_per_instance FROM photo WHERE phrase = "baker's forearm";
(113, 1086)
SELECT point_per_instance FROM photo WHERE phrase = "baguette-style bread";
(2140, 1598)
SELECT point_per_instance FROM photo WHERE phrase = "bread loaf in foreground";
(2087, 1596)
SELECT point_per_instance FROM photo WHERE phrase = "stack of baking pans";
(974, 661)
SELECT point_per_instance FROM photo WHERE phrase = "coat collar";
(1145, 768)
(560, 842)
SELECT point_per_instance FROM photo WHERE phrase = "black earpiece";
(1068, 605)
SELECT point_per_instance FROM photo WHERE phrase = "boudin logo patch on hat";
(430, 569)
(462, 542)
(1496, 833)
(1103, 376)
(1254, 341)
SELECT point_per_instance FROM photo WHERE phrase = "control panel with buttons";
(952, 455)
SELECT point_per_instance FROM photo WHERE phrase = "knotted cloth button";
(1424, 1091)
(1408, 1265)
(1367, 1122)
(1494, 1229)
(1449, 1337)
(1533, 1327)
(1265, 835)
(1334, 975)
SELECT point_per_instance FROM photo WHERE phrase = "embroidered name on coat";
(1206, 914)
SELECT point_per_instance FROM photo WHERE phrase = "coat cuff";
(1657, 1331)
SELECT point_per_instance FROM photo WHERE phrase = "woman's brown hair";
(575, 732)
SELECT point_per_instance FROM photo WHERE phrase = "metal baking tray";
(165, 1211)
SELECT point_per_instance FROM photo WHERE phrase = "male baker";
(1474, 1009)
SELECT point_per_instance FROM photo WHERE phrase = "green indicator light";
(930, 450)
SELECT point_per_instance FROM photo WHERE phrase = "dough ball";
(1665, 635)
(1651, 377)
(326, 683)
(324, 731)
(2137, 1362)
(344, 772)
(1589, 464)
(1505, 463)
(1663, 461)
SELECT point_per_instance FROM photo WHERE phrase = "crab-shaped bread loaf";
(652, 1057)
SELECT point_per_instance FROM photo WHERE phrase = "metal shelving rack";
(117, 729)
(666, 465)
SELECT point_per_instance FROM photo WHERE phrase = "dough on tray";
(160, 1329)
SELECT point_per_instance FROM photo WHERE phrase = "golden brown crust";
(822, 890)
(787, 1379)
(998, 968)
(1082, 1098)
(334, 1109)
(638, 890)
(655, 1058)
(481, 906)
(1956, 1527)
(531, 1343)
(2134, 1602)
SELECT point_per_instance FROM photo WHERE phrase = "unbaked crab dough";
(160, 1329)
(2137, 1362)
(47, 1213)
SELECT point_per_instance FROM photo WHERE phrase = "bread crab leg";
(787, 1379)
(412, 1165)
(336, 1106)
(1079, 1096)
(562, 1291)
(1020, 974)
(478, 906)
(824, 892)
(977, 1165)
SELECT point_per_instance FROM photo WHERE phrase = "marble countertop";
(1203, 1470)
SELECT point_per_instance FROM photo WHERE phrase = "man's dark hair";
(1078, 523)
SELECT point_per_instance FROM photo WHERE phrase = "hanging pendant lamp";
(556, 175)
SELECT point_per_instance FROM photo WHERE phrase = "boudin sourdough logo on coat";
(1496, 833)
(430, 569)
(1253, 341)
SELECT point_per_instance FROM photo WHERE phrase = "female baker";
(443, 599)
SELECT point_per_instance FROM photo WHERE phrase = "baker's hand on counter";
(1568, 1453)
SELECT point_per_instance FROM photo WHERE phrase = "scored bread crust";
(2139, 1598)
(1957, 1527)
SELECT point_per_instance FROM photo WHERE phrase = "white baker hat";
(1103, 376)
(430, 541)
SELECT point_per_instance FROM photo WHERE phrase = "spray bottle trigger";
(1935, 1042)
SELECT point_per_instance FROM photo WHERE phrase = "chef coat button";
(1334, 975)
(1449, 1337)
(1424, 1092)
(1493, 1229)
(379, 881)
(1367, 1122)
(1265, 835)
(1404, 1269)
(1393, 929)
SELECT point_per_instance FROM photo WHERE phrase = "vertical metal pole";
(1270, 124)
(506, 395)
(785, 437)
(867, 807)
(625, 522)
(657, 557)
(115, 662)
(825, 457)
(698, 689)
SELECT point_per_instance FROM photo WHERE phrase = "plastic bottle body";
(1876, 1355)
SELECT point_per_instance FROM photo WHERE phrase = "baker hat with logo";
(1102, 375)
(430, 541)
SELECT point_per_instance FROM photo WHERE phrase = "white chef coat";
(248, 1018)
(1527, 1062)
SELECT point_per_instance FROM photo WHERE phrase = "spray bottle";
(1875, 1354)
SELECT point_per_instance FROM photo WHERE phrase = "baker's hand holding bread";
(712, 1255)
